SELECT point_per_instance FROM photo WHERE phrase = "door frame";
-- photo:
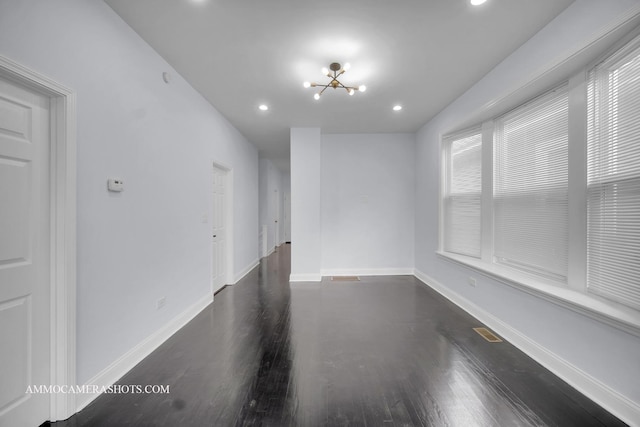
(62, 212)
(229, 237)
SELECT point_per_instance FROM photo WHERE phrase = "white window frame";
(446, 162)
(528, 111)
(621, 174)
(573, 293)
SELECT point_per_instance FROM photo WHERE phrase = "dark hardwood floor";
(384, 351)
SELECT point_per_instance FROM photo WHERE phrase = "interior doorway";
(221, 225)
(276, 221)
(37, 245)
(24, 253)
(287, 216)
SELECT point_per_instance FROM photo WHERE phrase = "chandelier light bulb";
(334, 72)
(263, 107)
(477, 2)
(397, 107)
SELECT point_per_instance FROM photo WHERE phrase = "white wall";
(367, 204)
(271, 202)
(149, 241)
(306, 230)
(352, 204)
(606, 358)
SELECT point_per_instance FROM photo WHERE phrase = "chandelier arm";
(335, 83)
(346, 87)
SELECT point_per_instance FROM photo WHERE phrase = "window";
(613, 177)
(530, 186)
(539, 199)
(461, 210)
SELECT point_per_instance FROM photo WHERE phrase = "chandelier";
(335, 70)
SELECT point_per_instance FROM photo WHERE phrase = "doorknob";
(214, 235)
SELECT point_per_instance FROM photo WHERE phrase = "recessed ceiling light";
(263, 107)
(397, 107)
(477, 2)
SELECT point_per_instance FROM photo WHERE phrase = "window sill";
(611, 313)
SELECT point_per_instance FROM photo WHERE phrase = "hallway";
(380, 351)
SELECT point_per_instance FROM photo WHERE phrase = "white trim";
(600, 309)
(486, 195)
(246, 271)
(116, 370)
(577, 184)
(63, 229)
(367, 272)
(619, 405)
(305, 278)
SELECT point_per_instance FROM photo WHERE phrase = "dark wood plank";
(384, 351)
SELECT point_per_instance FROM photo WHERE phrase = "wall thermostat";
(115, 184)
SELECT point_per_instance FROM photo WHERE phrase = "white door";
(287, 216)
(24, 255)
(276, 225)
(219, 228)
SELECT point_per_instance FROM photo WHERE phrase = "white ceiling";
(421, 54)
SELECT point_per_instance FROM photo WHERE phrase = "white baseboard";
(305, 278)
(619, 405)
(367, 272)
(112, 373)
(351, 272)
(246, 270)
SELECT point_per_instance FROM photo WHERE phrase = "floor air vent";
(487, 334)
(345, 279)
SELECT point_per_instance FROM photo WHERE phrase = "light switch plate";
(115, 184)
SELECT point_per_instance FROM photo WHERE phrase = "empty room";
(338, 213)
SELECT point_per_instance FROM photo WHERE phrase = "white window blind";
(462, 194)
(613, 177)
(530, 186)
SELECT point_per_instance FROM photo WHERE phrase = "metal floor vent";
(345, 279)
(487, 334)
